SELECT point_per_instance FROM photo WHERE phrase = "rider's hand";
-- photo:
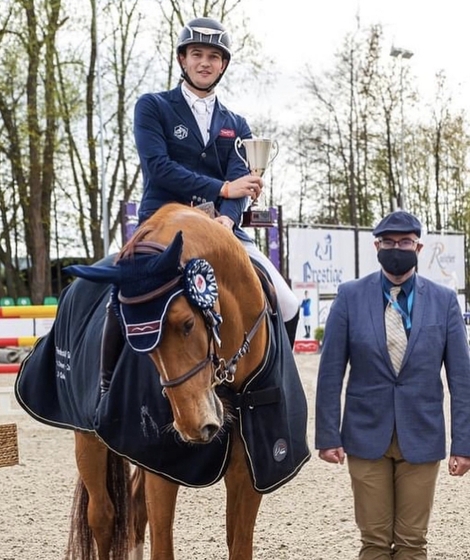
(248, 185)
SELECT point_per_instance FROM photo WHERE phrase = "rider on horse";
(185, 140)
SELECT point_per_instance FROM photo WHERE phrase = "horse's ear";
(169, 261)
(165, 263)
(109, 274)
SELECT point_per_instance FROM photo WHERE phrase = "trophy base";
(257, 218)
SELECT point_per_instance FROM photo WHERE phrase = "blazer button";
(203, 155)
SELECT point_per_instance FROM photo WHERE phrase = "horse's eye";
(188, 327)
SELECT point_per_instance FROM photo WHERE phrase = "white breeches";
(288, 301)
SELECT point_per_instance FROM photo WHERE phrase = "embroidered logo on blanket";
(280, 450)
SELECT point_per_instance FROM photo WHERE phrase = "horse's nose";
(208, 432)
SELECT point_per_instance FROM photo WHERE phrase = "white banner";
(441, 259)
(322, 256)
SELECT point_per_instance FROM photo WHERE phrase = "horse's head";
(170, 311)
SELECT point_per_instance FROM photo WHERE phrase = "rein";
(225, 370)
(155, 294)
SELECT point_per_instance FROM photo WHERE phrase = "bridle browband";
(224, 370)
(154, 294)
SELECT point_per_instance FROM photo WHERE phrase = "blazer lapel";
(416, 317)
(183, 110)
(376, 310)
(219, 118)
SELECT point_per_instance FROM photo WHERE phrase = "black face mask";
(397, 261)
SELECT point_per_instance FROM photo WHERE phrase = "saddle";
(268, 287)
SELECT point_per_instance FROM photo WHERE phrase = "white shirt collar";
(191, 98)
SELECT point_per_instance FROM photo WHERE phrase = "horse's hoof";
(137, 553)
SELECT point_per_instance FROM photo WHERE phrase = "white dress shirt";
(202, 108)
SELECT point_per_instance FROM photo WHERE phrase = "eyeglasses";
(405, 243)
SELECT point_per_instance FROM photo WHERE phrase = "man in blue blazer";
(185, 139)
(392, 426)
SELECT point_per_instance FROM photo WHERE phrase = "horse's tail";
(138, 515)
(81, 545)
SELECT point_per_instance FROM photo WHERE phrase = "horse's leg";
(138, 515)
(161, 497)
(242, 504)
(91, 457)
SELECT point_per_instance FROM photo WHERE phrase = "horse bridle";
(223, 370)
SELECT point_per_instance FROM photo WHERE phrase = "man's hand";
(458, 466)
(248, 185)
(334, 455)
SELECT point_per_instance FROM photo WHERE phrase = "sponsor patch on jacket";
(227, 133)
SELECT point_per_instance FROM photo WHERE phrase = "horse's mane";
(203, 237)
(140, 233)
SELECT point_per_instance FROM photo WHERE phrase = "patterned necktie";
(396, 335)
(202, 116)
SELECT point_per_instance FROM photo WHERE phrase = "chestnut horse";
(190, 375)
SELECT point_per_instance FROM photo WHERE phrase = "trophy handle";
(275, 149)
(239, 144)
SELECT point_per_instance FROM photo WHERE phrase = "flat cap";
(398, 222)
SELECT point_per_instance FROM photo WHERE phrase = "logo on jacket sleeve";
(180, 131)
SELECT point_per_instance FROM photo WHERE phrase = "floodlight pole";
(401, 54)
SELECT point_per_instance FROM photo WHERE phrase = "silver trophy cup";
(260, 152)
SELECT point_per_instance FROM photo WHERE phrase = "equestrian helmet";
(207, 31)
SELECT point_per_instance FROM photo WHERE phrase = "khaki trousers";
(392, 502)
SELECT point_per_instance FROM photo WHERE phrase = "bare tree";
(344, 105)
(31, 132)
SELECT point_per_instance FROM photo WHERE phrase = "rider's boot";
(291, 328)
(112, 343)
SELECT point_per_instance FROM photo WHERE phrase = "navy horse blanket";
(59, 384)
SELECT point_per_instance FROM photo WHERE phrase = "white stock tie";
(201, 113)
(395, 331)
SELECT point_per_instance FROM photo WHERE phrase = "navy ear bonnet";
(146, 282)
